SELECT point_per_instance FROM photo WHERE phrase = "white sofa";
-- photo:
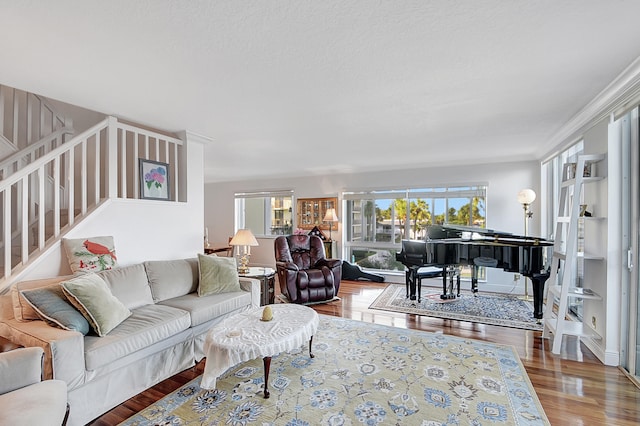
(163, 336)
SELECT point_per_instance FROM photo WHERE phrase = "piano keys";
(449, 247)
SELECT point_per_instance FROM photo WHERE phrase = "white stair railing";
(100, 163)
(26, 118)
(14, 162)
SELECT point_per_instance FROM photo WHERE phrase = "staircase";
(50, 184)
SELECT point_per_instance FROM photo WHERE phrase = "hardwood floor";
(575, 388)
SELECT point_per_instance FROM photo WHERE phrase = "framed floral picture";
(154, 180)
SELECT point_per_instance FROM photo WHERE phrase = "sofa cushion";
(91, 254)
(172, 278)
(147, 325)
(203, 309)
(217, 275)
(52, 306)
(129, 284)
(92, 297)
(22, 310)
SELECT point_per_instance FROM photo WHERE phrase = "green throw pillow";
(92, 297)
(52, 307)
(217, 275)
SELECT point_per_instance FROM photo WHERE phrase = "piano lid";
(437, 232)
(475, 233)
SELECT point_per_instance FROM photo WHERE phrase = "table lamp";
(244, 239)
(330, 217)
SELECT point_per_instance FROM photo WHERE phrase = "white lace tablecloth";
(245, 336)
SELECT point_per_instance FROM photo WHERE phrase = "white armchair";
(25, 399)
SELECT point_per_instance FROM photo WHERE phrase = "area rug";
(485, 308)
(364, 374)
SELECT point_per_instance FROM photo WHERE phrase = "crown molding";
(187, 135)
(622, 94)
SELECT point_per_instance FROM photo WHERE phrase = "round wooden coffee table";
(244, 336)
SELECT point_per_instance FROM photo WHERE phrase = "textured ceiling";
(296, 87)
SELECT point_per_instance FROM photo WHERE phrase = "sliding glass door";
(630, 320)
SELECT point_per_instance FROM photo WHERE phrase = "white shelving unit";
(564, 282)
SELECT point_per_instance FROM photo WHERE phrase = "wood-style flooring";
(575, 388)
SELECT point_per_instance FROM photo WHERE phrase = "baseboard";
(611, 358)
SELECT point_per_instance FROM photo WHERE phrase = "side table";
(267, 277)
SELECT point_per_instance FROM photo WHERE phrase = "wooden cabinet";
(310, 213)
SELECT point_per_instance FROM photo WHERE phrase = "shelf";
(571, 328)
(577, 292)
(569, 247)
(589, 256)
(570, 182)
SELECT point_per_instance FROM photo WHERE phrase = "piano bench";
(421, 273)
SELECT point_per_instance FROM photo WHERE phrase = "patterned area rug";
(364, 374)
(485, 308)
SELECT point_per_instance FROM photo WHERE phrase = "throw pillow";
(52, 307)
(217, 275)
(129, 285)
(92, 254)
(22, 310)
(172, 278)
(91, 296)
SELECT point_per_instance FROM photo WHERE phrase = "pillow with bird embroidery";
(93, 254)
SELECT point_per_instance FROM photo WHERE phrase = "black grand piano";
(448, 247)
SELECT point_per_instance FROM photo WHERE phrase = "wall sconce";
(243, 239)
(330, 217)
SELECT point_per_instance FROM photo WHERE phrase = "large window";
(265, 213)
(377, 221)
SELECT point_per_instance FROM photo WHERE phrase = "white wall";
(142, 229)
(504, 180)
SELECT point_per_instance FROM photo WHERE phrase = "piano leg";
(474, 279)
(411, 278)
(537, 282)
(407, 277)
(447, 291)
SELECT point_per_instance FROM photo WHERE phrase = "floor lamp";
(526, 197)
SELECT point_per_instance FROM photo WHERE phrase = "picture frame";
(155, 180)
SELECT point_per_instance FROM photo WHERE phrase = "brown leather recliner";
(305, 275)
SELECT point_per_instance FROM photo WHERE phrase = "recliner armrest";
(20, 367)
(329, 263)
(287, 265)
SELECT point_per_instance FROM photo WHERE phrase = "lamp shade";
(243, 237)
(526, 196)
(331, 216)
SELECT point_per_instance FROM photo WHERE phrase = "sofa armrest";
(251, 285)
(19, 368)
(63, 349)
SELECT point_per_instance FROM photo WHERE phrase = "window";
(376, 222)
(265, 213)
